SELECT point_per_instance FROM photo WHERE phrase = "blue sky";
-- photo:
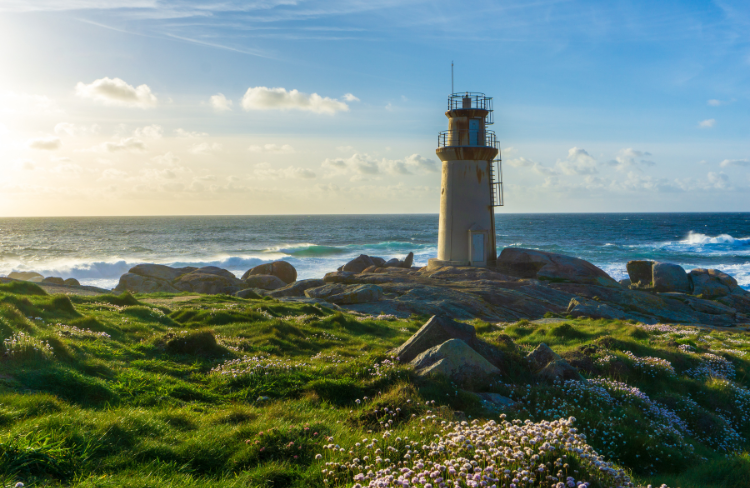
(107, 106)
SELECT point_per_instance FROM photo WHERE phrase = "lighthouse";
(471, 184)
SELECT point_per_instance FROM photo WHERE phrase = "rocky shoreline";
(524, 284)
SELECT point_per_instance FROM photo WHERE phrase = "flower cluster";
(20, 344)
(476, 454)
(376, 317)
(605, 360)
(256, 365)
(712, 366)
(650, 365)
(331, 358)
(73, 331)
(382, 368)
(324, 335)
(686, 348)
(671, 329)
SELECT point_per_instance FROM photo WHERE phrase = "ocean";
(97, 250)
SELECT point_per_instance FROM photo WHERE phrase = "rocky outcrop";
(264, 282)
(249, 294)
(408, 261)
(209, 280)
(54, 280)
(640, 273)
(457, 361)
(296, 289)
(544, 362)
(280, 269)
(434, 332)
(346, 294)
(159, 271)
(712, 283)
(359, 264)
(152, 278)
(528, 263)
(669, 277)
(72, 282)
(136, 283)
(581, 307)
(26, 276)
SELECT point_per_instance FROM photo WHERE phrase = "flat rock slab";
(54, 289)
(455, 360)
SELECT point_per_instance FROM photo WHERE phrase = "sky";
(180, 107)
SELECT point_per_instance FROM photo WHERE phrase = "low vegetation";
(178, 390)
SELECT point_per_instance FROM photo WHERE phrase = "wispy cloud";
(263, 98)
(220, 103)
(707, 124)
(114, 91)
(45, 143)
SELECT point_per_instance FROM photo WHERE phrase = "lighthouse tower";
(471, 184)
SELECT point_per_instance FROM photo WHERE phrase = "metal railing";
(472, 138)
(472, 100)
(496, 177)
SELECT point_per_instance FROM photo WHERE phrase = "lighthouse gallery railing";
(465, 137)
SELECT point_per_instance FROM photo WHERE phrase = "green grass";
(134, 392)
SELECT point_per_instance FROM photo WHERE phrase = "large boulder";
(670, 277)
(359, 264)
(377, 261)
(26, 276)
(296, 289)
(639, 272)
(280, 269)
(159, 271)
(457, 361)
(72, 282)
(54, 280)
(249, 294)
(408, 261)
(712, 283)
(264, 282)
(550, 366)
(136, 283)
(529, 263)
(581, 307)
(209, 280)
(346, 294)
(434, 332)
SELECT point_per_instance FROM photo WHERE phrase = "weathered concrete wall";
(465, 201)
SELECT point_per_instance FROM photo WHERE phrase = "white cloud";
(345, 148)
(421, 163)
(184, 134)
(350, 98)
(45, 143)
(708, 123)
(389, 107)
(719, 181)
(127, 144)
(630, 158)
(27, 166)
(272, 148)
(114, 91)
(220, 103)
(263, 98)
(167, 159)
(714, 103)
(68, 129)
(578, 162)
(206, 148)
(734, 162)
(538, 168)
(149, 132)
(363, 166)
(265, 171)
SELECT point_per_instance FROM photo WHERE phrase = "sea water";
(97, 250)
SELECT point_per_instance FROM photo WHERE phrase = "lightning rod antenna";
(452, 78)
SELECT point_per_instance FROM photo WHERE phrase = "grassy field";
(174, 390)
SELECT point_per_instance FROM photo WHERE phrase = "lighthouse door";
(473, 132)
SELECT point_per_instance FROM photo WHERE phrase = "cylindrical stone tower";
(469, 189)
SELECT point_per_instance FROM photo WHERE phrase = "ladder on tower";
(496, 182)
